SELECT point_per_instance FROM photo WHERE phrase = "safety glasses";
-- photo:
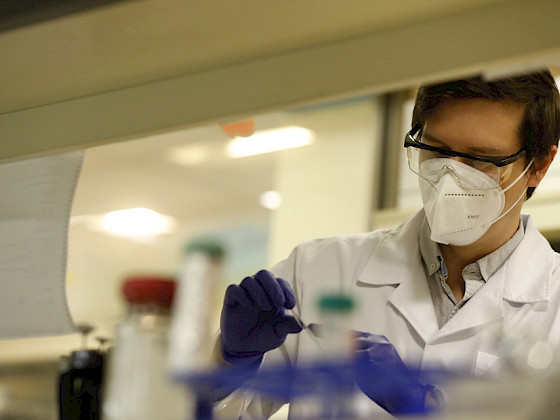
(496, 167)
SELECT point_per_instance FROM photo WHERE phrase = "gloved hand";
(253, 319)
(384, 378)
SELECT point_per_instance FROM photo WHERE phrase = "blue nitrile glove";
(384, 378)
(254, 318)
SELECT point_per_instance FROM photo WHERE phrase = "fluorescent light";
(138, 222)
(270, 200)
(270, 141)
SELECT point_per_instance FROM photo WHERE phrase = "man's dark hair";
(540, 126)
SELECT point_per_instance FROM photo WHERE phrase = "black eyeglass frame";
(410, 141)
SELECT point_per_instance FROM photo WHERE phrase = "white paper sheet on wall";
(35, 204)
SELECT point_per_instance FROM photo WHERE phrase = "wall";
(328, 188)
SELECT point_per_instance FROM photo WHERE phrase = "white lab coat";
(384, 272)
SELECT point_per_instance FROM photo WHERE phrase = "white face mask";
(459, 215)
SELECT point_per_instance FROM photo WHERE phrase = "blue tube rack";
(283, 383)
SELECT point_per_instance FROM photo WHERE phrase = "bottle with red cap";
(138, 385)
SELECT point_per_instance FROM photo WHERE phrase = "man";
(452, 275)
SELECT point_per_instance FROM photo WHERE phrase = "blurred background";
(147, 89)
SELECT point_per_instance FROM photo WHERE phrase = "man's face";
(484, 128)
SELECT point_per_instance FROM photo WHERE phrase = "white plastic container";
(192, 334)
(333, 396)
(138, 385)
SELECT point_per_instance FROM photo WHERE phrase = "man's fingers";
(290, 299)
(262, 290)
(256, 293)
(236, 295)
(272, 288)
(285, 325)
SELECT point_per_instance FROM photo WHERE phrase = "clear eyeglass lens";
(416, 156)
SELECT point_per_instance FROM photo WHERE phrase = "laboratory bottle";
(336, 312)
(196, 307)
(138, 386)
(336, 391)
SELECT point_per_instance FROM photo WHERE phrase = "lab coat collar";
(525, 277)
(528, 271)
(483, 308)
(394, 255)
(398, 262)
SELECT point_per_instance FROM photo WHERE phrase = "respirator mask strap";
(520, 196)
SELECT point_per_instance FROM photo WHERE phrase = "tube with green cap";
(336, 310)
(191, 328)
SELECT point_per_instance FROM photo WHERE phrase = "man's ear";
(536, 174)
